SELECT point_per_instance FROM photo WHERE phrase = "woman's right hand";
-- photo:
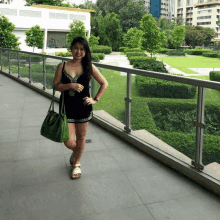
(77, 87)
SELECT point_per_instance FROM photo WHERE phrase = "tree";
(178, 35)
(132, 38)
(93, 40)
(77, 28)
(209, 34)
(7, 38)
(43, 2)
(34, 37)
(194, 37)
(131, 14)
(113, 31)
(152, 38)
(108, 6)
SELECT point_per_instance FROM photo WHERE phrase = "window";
(203, 23)
(204, 17)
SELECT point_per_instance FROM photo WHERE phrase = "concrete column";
(45, 40)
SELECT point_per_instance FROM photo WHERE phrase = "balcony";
(120, 177)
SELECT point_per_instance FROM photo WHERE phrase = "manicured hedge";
(152, 87)
(214, 76)
(211, 54)
(140, 59)
(164, 50)
(63, 54)
(132, 50)
(197, 51)
(96, 57)
(133, 54)
(121, 49)
(101, 49)
(150, 64)
(142, 117)
(176, 53)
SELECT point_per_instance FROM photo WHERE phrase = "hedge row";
(101, 49)
(197, 51)
(140, 59)
(175, 53)
(63, 54)
(96, 57)
(214, 76)
(153, 87)
(164, 50)
(121, 49)
(132, 50)
(145, 109)
(211, 54)
(133, 54)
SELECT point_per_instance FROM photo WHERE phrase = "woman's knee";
(71, 143)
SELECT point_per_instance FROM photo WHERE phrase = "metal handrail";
(201, 84)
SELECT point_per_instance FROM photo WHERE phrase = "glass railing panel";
(211, 138)
(113, 101)
(5, 62)
(50, 67)
(162, 111)
(37, 70)
(14, 62)
(24, 65)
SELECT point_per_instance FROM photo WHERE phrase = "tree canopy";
(34, 37)
(132, 38)
(194, 37)
(43, 2)
(131, 14)
(152, 38)
(178, 35)
(77, 28)
(7, 38)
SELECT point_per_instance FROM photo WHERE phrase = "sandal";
(71, 158)
(76, 170)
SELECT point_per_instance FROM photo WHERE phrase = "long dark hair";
(87, 59)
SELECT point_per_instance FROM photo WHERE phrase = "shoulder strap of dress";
(63, 66)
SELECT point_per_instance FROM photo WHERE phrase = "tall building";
(160, 8)
(204, 13)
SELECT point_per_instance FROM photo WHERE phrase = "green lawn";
(183, 63)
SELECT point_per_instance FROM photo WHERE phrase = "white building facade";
(204, 13)
(53, 20)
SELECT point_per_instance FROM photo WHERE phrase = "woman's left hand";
(89, 101)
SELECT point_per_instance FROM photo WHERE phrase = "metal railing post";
(1, 59)
(128, 105)
(200, 125)
(44, 73)
(9, 62)
(30, 79)
(19, 74)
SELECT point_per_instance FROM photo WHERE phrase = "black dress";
(76, 111)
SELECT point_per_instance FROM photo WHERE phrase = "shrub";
(121, 49)
(149, 64)
(140, 59)
(101, 49)
(132, 50)
(96, 57)
(211, 54)
(164, 50)
(197, 51)
(63, 54)
(130, 54)
(176, 53)
(152, 87)
(214, 76)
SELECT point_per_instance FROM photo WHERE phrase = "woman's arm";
(101, 80)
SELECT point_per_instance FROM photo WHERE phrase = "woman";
(73, 79)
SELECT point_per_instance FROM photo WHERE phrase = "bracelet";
(96, 99)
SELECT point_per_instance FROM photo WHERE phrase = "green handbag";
(55, 126)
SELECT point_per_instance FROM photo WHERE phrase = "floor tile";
(7, 151)
(6, 169)
(40, 170)
(11, 113)
(29, 133)
(27, 150)
(160, 183)
(9, 135)
(34, 121)
(96, 162)
(8, 123)
(197, 207)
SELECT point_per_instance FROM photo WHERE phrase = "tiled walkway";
(118, 181)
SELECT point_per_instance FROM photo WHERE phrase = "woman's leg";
(81, 129)
(71, 143)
